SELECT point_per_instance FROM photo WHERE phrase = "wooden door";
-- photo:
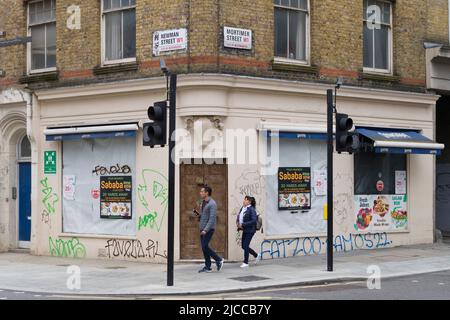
(192, 176)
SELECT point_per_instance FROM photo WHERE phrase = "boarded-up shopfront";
(107, 197)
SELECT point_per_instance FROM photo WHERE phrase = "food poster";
(294, 188)
(399, 213)
(115, 197)
(381, 212)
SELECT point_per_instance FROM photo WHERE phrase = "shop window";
(291, 21)
(371, 168)
(377, 35)
(99, 186)
(42, 29)
(295, 206)
(119, 30)
(380, 192)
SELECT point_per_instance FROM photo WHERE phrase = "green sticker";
(49, 162)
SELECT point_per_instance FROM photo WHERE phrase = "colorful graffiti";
(71, 248)
(134, 249)
(50, 198)
(316, 245)
(153, 196)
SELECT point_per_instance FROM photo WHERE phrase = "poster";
(237, 38)
(69, 187)
(381, 212)
(294, 188)
(320, 182)
(169, 40)
(115, 197)
(400, 182)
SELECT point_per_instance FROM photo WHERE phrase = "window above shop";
(42, 29)
(118, 31)
(377, 20)
(291, 30)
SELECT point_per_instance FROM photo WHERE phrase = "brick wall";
(336, 40)
(12, 59)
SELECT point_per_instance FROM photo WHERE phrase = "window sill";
(39, 77)
(378, 76)
(293, 65)
(115, 68)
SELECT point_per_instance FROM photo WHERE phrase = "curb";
(250, 289)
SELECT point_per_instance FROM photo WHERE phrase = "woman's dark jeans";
(246, 239)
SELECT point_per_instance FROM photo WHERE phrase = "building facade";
(251, 118)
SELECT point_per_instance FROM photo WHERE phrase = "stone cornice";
(239, 83)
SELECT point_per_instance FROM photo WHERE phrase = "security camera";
(162, 65)
(339, 82)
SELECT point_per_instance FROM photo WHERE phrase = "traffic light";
(345, 140)
(155, 133)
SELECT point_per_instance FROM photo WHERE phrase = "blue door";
(24, 201)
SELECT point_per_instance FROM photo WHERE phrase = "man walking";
(208, 217)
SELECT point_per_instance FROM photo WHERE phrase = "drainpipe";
(34, 176)
(448, 22)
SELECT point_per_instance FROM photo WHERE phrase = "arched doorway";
(23, 194)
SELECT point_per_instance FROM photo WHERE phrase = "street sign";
(49, 162)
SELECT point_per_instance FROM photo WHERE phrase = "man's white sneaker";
(257, 259)
(244, 265)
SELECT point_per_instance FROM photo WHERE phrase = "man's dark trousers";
(207, 251)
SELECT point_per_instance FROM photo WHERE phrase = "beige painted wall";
(12, 130)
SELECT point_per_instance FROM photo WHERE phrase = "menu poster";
(115, 197)
(294, 188)
(381, 212)
(400, 182)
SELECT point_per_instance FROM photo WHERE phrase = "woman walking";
(246, 221)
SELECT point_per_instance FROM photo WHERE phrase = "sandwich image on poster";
(115, 197)
(294, 188)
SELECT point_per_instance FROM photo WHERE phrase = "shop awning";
(400, 141)
(91, 132)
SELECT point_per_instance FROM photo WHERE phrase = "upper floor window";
(291, 23)
(377, 35)
(119, 30)
(42, 29)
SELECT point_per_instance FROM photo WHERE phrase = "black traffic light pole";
(330, 110)
(171, 195)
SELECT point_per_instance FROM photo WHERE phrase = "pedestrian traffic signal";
(155, 133)
(344, 139)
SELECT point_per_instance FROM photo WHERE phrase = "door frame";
(20, 159)
(198, 161)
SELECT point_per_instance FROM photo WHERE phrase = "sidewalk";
(23, 272)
